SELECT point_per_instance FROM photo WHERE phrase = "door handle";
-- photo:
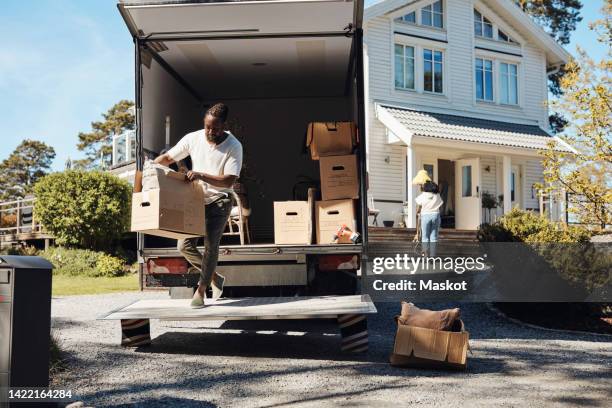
(477, 191)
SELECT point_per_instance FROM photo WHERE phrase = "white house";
(458, 88)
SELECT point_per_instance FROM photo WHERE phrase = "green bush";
(526, 226)
(83, 262)
(567, 249)
(83, 209)
(108, 265)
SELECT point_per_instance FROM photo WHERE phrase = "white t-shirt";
(430, 203)
(217, 160)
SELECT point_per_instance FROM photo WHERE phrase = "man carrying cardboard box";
(216, 156)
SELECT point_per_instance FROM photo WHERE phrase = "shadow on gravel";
(165, 402)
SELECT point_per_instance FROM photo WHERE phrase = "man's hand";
(164, 160)
(194, 175)
(217, 181)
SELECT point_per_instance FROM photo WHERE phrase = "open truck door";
(278, 65)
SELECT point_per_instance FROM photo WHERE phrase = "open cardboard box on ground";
(426, 348)
(173, 210)
(292, 222)
(330, 216)
(339, 178)
(331, 139)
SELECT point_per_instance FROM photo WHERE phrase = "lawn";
(80, 285)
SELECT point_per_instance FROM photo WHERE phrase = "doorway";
(446, 182)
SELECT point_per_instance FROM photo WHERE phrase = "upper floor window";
(404, 67)
(484, 79)
(408, 18)
(433, 71)
(432, 15)
(482, 26)
(508, 83)
(501, 36)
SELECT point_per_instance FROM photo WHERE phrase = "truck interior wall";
(273, 133)
(163, 95)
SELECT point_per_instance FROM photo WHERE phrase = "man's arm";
(217, 181)
(164, 160)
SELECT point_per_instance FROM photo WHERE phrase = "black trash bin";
(25, 322)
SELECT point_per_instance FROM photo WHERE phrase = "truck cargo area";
(277, 65)
(274, 87)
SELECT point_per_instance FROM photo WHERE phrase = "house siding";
(386, 162)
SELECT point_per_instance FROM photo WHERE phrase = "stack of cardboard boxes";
(332, 144)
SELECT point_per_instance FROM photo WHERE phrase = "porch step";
(383, 234)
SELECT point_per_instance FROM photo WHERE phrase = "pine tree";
(25, 165)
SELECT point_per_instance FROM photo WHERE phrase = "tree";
(558, 16)
(587, 101)
(87, 209)
(97, 144)
(30, 161)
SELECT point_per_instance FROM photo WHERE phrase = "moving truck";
(278, 65)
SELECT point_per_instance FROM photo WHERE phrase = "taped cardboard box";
(331, 138)
(292, 222)
(339, 177)
(174, 210)
(426, 348)
(330, 216)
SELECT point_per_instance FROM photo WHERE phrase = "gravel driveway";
(265, 364)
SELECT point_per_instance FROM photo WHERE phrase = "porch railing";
(17, 217)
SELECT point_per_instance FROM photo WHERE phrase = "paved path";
(270, 364)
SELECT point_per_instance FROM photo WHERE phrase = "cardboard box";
(331, 215)
(427, 348)
(292, 222)
(339, 177)
(331, 139)
(174, 210)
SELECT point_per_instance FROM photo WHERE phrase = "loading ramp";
(350, 312)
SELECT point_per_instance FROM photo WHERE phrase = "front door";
(467, 194)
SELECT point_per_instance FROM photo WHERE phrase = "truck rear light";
(156, 266)
(338, 262)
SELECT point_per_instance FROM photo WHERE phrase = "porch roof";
(406, 123)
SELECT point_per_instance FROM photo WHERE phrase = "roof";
(467, 129)
(507, 9)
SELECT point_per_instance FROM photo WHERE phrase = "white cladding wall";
(459, 66)
(387, 163)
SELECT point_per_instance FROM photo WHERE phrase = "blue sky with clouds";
(64, 62)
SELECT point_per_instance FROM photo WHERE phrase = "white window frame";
(416, 9)
(433, 72)
(493, 75)
(414, 66)
(482, 25)
(419, 45)
(431, 4)
(515, 40)
(518, 82)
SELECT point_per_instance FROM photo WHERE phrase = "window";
(501, 36)
(482, 26)
(429, 168)
(484, 79)
(408, 18)
(508, 83)
(404, 66)
(512, 186)
(432, 71)
(466, 181)
(432, 15)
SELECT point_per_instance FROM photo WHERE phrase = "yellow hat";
(421, 178)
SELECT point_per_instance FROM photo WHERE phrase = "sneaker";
(197, 302)
(217, 286)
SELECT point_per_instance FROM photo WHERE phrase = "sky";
(65, 62)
